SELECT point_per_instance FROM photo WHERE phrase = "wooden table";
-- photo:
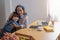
(41, 35)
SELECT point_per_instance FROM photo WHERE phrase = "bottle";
(51, 23)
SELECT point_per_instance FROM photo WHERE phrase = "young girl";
(13, 23)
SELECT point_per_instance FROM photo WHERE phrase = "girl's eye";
(19, 10)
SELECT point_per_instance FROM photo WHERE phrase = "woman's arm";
(24, 22)
(24, 19)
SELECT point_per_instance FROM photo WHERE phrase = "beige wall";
(2, 13)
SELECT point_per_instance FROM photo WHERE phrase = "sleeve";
(26, 22)
(7, 26)
(9, 22)
(24, 25)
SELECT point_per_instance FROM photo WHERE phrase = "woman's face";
(20, 11)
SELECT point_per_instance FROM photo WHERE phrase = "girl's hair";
(24, 12)
(13, 15)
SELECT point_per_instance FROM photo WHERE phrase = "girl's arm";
(14, 26)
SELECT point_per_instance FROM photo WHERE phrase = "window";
(53, 8)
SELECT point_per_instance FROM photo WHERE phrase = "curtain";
(53, 8)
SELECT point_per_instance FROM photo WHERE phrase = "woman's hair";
(24, 12)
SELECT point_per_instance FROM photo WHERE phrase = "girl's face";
(15, 18)
(20, 11)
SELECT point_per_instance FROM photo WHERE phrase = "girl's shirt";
(7, 26)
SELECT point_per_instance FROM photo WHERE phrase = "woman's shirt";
(24, 25)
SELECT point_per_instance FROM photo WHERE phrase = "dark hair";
(19, 6)
(15, 15)
(22, 8)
